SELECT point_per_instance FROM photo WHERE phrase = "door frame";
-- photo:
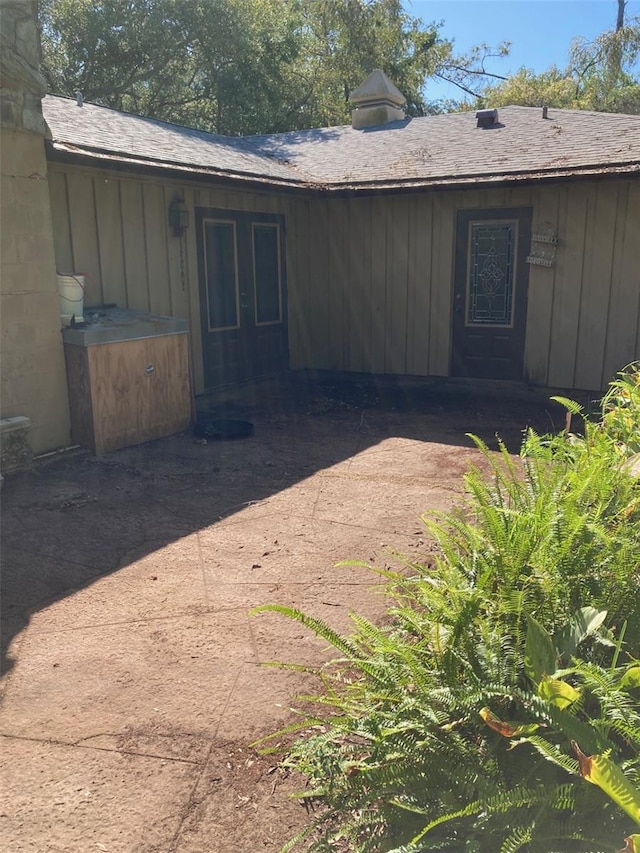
(243, 221)
(517, 329)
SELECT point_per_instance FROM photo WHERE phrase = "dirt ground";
(133, 682)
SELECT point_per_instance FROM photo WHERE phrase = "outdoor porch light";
(178, 217)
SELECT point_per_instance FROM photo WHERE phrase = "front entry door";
(490, 293)
(241, 271)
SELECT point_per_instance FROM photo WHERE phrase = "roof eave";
(490, 179)
(89, 156)
(63, 151)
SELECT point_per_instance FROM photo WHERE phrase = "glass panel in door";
(266, 273)
(221, 274)
(491, 273)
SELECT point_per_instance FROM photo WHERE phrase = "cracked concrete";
(133, 682)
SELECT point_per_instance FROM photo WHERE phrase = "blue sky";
(540, 31)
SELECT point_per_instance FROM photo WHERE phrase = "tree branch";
(459, 85)
(481, 73)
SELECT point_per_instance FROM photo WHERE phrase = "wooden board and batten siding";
(583, 313)
(113, 228)
(370, 278)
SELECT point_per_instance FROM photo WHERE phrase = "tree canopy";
(601, 75)
(239, 67)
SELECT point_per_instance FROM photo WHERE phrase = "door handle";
(457, 306)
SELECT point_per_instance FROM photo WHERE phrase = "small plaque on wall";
(539, 261)
(543, 247)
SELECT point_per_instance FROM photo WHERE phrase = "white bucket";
(71, 294)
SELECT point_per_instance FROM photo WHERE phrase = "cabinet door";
(165, 389)
(141, 390)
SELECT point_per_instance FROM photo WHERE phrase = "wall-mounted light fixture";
(178, 217)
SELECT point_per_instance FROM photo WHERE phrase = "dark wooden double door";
(490, 293)
(243, 297)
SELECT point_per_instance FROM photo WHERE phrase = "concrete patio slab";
(133, 682)
(59, 798)
(145, 589)
(74, 684)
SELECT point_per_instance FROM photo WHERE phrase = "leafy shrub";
(508, 671)
(621, 410)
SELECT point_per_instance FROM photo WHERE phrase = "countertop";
(109, 325)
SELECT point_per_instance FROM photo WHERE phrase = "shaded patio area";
(133, 680)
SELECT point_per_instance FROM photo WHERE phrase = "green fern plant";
(404, 759)
(452, 726)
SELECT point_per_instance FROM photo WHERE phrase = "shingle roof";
(435, 150)
(102, 131)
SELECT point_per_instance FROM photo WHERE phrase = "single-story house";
(500, 245)
(504, 246)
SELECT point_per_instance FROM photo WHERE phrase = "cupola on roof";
(377, 87)
(377, 101)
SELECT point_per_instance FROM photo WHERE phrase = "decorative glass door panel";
(491, 273)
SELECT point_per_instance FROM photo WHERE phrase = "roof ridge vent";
(377, 101)
(487, 118)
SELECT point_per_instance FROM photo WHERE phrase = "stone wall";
(32, 372)
(22, 83)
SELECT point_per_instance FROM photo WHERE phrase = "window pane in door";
(266, 273)
(491, 273)
(221, 274)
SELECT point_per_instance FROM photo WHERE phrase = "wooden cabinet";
(126, 391)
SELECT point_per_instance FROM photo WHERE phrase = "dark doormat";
(215, 429)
